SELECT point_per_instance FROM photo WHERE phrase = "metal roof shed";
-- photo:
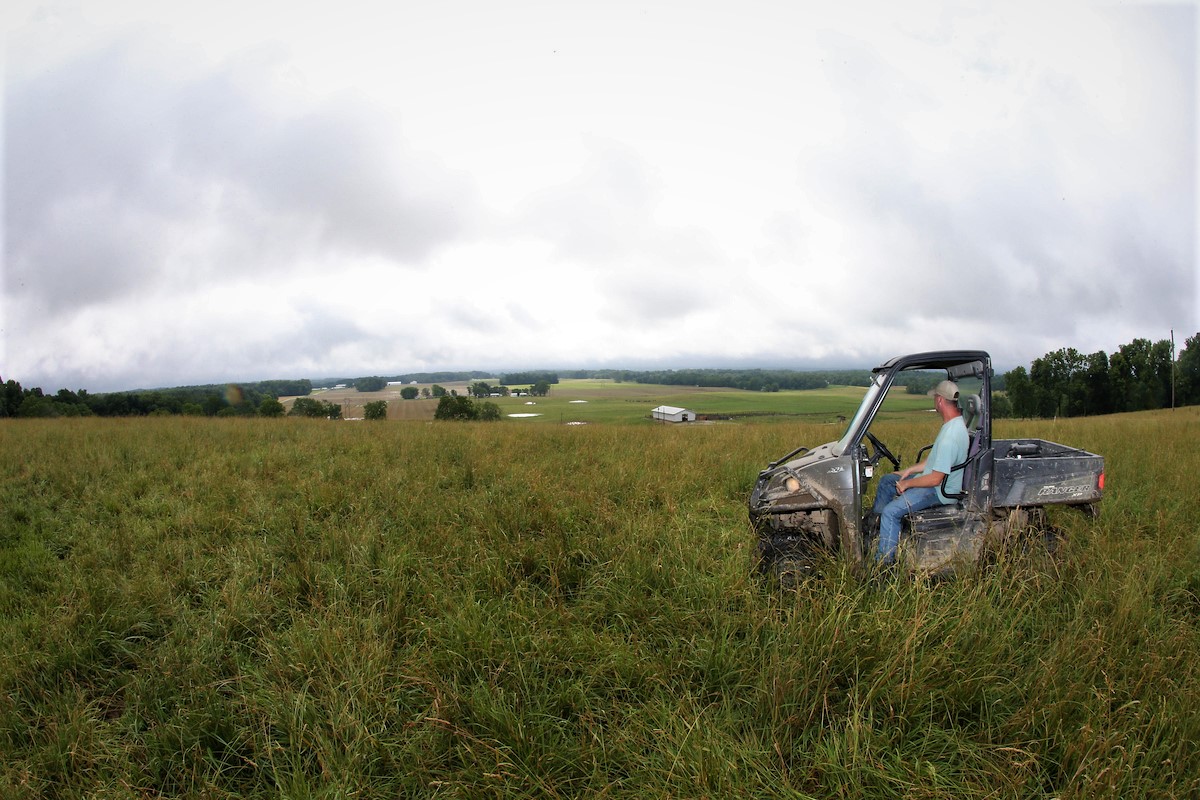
(673, 414)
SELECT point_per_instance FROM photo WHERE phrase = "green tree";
(1158, 380)
(481, 389)
(376, 409)
(409, 393)
(214, 403)
(11, 399)
(1097, 385)
(311, 407)
(489, 412)
(540, 389)
(305, 407)
(1001, 406)
(372, 384)
(36, 404)
(1057, 385)
(1020, 392)
(270, 407)
(1137, 369)
(438, 391)
(1120, 382)
(456, 408)
(1187, 372)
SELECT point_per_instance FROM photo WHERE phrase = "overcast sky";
(233, 191)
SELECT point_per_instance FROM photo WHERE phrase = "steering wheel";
(881, 450)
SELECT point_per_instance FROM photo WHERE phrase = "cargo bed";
(1036, 472)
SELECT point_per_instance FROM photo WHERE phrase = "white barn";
(673, 414)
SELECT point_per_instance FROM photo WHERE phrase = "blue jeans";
(891, 508)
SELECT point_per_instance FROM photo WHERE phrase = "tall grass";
(245, 608)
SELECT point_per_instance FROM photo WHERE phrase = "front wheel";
(789, 559)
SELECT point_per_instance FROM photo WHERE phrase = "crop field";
(253, 608)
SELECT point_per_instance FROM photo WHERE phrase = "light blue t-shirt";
(949, 450)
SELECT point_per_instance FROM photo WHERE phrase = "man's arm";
(921, 482)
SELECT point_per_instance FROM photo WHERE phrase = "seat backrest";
(972, 411)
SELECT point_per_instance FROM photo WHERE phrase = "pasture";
(233, 608)
(608, 401)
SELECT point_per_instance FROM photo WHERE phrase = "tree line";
(247, 399)
(485, 389)
(531, 377)
(758, 380)
(1140, 376)
(754, 380)
(409, 377)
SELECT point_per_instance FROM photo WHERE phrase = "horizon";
(321, 380)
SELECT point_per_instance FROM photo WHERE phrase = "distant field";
(608, 401)
(263, 608)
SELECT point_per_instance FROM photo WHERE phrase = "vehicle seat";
(972, 411)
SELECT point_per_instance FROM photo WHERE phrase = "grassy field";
(298, 608)
(607, 401)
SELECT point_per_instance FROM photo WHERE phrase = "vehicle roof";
(937, 359)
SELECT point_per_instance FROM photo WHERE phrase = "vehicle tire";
(1019, 535)
(786, 564)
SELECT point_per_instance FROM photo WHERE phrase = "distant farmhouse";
(673, 414)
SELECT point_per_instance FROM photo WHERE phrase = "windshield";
(909, 391)
(867, 401)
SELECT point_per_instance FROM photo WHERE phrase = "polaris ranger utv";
(811, 504)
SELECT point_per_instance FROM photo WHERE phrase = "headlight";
(786, 484)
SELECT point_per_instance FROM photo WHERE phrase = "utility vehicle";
(813, 504)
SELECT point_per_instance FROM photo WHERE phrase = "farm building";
(673, 414)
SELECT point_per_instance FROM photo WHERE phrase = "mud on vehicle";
(809, 505)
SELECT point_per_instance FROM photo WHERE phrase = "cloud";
(671, 185)
(604, 212)
(1003, 181)
(128, 169)
(605, 222)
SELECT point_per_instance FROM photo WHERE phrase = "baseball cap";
(948, 390)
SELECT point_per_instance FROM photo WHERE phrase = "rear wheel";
(1019, 534)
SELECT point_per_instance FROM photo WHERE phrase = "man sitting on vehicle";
(899, 494)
